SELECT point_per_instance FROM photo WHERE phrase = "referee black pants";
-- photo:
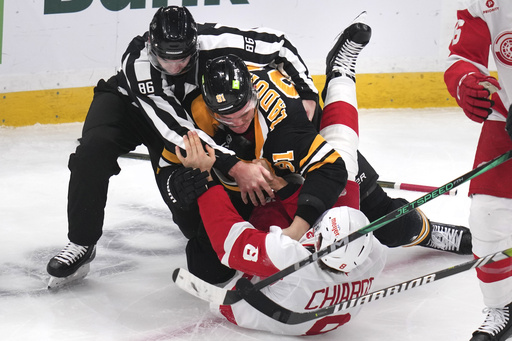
(113, 127)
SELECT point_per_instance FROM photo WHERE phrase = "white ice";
(129, 293)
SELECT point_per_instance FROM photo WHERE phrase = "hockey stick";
(211, 293)
(411, 187)
(384, 184)
(234, 296)
(265, 305)
(214, 294)
(391, 216)
(136, 156)
(202, 289)
(131, 155)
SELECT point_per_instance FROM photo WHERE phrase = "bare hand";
(275, 182)
(196, 155)
(251, 180)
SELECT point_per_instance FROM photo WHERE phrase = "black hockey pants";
(375, 203)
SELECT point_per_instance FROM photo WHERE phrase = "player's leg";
(412, 229)
(202, 261)
(339, 123)
(490, 220)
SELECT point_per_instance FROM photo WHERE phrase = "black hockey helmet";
(172, 36)
(226, 85)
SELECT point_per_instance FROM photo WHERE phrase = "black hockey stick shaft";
(132, 155)
(268, 307)
(136, 156)
(388, 218)
(383, 184)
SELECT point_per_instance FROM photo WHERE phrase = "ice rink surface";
(129, 294)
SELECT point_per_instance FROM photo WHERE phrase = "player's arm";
(237, 243)
(306, 202)
(318, 163)
(143, 84)
(320, 190)
(467, 77)
(241, 246)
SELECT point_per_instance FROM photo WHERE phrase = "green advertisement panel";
(71, 6)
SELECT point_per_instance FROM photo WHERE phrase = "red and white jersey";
(257, 255)
(485, 27)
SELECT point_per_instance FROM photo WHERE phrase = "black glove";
(185, 185)
(508, 125)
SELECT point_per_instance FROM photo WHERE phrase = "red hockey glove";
(473, 97)
(508, 126)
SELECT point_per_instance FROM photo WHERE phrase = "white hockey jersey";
(482, 24)
(484, 27)
(258, 254)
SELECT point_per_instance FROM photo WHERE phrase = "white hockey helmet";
(336, 224)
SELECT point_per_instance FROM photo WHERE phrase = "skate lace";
(71, 253)
(347, 57)
(495, 321)
(445, 238)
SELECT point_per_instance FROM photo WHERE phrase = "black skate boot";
(71, 264)
(497, 325)
(341, 60)
(446, 237)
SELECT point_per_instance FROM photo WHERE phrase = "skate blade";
(58, 282)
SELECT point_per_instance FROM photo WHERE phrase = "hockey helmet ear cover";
(335, 224)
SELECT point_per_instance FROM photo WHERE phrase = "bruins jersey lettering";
(270, 100)
(284, 160)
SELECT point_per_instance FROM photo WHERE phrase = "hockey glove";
(185, 185)
(473, 96)
(508, 126)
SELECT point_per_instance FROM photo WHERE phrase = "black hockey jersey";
(282, 135)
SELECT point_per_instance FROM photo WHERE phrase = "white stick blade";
(198, 288)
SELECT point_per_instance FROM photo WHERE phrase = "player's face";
(240, 121)
(173, 66)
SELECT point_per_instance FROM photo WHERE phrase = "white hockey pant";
(490, 221)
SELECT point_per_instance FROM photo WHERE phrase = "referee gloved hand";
(473, 95)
